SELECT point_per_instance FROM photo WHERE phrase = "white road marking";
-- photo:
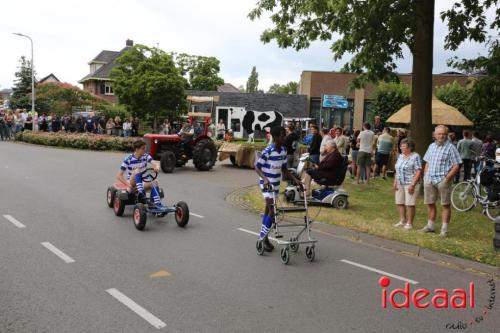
(255, 233)
(14, 221)
(145, 314)
(58, 252)
(199, 216)
(379, 271)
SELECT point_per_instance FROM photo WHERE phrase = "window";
(108, 89)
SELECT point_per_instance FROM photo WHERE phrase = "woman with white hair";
(326, 170)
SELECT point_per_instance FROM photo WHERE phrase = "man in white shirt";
(365, 140)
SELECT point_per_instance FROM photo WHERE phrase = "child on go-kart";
(135, 164)
(269, 166)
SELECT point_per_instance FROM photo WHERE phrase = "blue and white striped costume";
(140, 164)
(131, 162)
(271, 162)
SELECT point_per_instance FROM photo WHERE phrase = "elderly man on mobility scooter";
(135, 164)
(269, 166)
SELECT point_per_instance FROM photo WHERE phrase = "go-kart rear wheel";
(110, 196)
(340, 202)
(118, 205)
(181, 214)
(139, 216)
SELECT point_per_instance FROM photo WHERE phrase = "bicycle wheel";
(493, 210)
(463, 197)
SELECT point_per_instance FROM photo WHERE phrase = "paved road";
(69, 265)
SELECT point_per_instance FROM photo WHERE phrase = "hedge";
(79, 141)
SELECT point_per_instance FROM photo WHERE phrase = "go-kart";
(326, 195)
(117, 197)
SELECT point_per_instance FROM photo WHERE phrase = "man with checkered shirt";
(442, 164)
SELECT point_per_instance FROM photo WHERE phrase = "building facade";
(315, 84)
(98, 81)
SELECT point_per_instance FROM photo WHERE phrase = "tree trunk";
(421, 89)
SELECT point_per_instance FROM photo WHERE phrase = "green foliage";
(64, 97)
(373, 31)
(484, 101)
(203, 72)
(79, 141)
(21, 93)
(289, 88)
(389, 97)
(455, 95)
(148, 83)
(253, 81)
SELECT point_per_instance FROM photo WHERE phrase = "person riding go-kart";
(135, 164)
(132, 190)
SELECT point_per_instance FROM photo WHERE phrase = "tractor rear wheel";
(204, 155)
(168, 161)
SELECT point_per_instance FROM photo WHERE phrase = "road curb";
(236, 199)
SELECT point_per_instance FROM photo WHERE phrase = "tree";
(289, 88)
(21, 92)
(253, 81)
(203, 72)
(375, 32)
(149, 84)
(389, 97)
(455, 95)
(483, 106)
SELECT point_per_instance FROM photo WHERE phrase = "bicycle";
(467, 194)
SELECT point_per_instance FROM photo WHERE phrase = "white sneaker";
(427, 229)
(408, 226)
(443, 233)
(399, 224)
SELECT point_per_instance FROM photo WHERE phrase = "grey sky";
(68, 34)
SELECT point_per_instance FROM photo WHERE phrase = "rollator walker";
(300, 233)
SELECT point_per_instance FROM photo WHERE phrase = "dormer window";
(94, 66)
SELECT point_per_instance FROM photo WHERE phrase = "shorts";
(354, 156)
(432, 191)
(364, 159)
(381, 159)
(404, 198)
(314, 173)
(268, 194)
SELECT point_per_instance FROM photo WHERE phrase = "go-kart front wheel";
(181, 214)
(118, 205)
(139, 215)
(110, 196)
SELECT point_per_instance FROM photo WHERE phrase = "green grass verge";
(372, 210)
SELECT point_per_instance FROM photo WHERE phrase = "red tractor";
(174, 151)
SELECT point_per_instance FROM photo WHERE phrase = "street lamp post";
(32, 80)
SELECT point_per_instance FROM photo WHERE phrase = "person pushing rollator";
(269, 166)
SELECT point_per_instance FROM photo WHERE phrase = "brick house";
(314, 84)
(98, 81)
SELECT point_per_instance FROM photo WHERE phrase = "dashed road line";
(58, 252)
(139, 310)
(379, 271)
(255, 233)
(199, 216)
(14, 221)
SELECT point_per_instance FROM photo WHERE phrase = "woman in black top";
(315, 145)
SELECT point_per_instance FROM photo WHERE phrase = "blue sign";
(335, 101)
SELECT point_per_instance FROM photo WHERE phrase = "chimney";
(129, 42)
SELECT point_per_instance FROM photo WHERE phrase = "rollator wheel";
(285, 255)
(260, 247)
(310, 253)
(294, 246)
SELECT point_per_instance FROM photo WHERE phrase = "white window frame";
(108, 88)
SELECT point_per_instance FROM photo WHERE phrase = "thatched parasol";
(442, 114)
